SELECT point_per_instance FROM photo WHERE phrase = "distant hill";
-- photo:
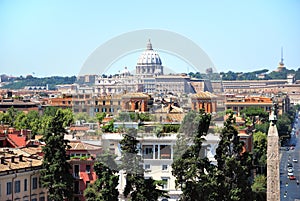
(21, 82)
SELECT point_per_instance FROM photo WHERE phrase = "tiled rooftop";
(78, 145)
(204, 95)
(13, 159)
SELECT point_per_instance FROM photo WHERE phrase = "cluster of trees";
(229, 179)
(254, 75)
(33, 120)
(137, 187)
(21, 82)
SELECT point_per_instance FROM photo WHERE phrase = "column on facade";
(158, 154)
(132, 105)
(153, 154)
(200, 104)
(209, 107)
(214, 106)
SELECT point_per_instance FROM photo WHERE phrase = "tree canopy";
(105, 187)
(137, 187)
(55, 175)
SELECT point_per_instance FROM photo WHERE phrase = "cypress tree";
(55, 175)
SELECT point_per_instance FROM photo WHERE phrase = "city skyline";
(56, 38)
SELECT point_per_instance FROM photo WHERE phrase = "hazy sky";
(56, 37)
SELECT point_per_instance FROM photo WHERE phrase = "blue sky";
(56, 37)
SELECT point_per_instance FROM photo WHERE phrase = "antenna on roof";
(281, 60)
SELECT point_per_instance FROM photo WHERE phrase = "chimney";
(2, 160)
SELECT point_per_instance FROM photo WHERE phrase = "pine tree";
(105, 187)
(137, 187)
(55, 175)
(192, 170)
(234, 165)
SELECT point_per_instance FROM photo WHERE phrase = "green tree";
(50, 111)
(105, 187)
(137, 187)
(284, 125)
(100, 116)
(109, 127)
(253, 112)
(189, 124)
(55, 175)
(260, 151)
(21, 121)
(83, 116)
(192, 170)
(234, 165)
(263, 127)
(33, 118)
(10, 116)
(259, 188)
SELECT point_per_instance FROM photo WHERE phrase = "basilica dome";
(149, 56)
(149, 62)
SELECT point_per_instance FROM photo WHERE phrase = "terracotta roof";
(16, 140)
(176, 117)
(27, 160)
(78, 145)
(135, 95)
(204, 95)
(79, 128)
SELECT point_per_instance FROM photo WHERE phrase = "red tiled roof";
(16, 140)
(79, 128)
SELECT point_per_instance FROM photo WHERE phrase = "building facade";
(20, 176)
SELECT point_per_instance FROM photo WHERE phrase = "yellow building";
(20, 175)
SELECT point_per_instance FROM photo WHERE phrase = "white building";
(157, 153)
(149, 78)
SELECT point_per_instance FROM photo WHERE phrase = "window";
(148, 152)
(34, 199)
(25, 184)
(165, 151)
(34, 183)
(42, 199)
(88, 168)
(17, 186)
(40, 183)
(76, 187)
(165, 182)
(147, 167)
(8, 188)
(164, 167)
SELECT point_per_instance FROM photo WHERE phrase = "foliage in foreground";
(105, 187)
(55, 175)
(137, 187)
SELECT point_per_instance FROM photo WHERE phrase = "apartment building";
(82, 159)
(20, 175)
(157, 154)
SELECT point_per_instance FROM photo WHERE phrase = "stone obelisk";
(273, 177)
